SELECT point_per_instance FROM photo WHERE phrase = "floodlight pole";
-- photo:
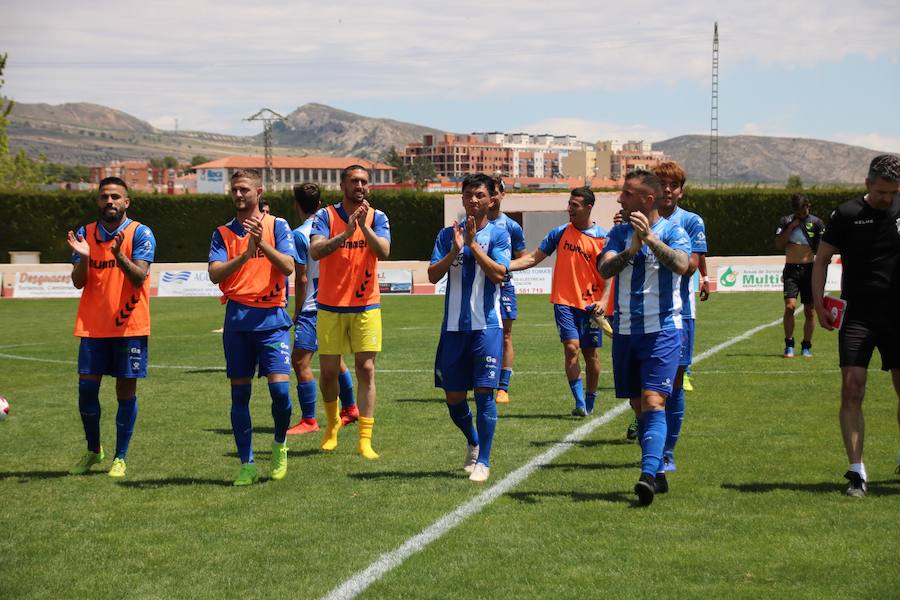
(714, 114)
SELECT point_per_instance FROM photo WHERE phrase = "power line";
(267, 116)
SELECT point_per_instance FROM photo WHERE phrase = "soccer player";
(508, 305)
(866, 233)
(798, 235)
(348, 239)
(648, 256)
(111, 258)
(308, 198)
(576, 284)
(250, 258)
(475, 257)
(672, 178)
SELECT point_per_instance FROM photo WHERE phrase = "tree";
(170, 162)
(199, 159)
(393, 158)
(794, 183)
(422, 171)
(16, 171)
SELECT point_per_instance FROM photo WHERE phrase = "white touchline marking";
(358, 582)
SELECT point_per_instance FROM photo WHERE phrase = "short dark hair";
(648, 179)
(798, 200)
(264, 203)
(585, 193)
(251, 174)
(885, 166)
(480, 179)
(113, 181)
(308, 197)
(346, 171)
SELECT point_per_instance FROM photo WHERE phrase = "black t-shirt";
(811, 227)
(869, 243)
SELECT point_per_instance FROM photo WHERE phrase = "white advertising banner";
(533, 281)
(395, 281)
(186, 283)
(764, 278)
(536, 280)
(44, 284)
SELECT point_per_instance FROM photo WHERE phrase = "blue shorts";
(509, 307)
(244, 350)
(646, 361)
(305, 331)
(687, 342)
(124, 357)
(575, 324)
(468, 359)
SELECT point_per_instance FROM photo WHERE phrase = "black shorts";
(866, 328)
(797, 281)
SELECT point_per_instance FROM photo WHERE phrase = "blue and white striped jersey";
(472, 301)
(692, 223)
(647, 296)
(301, 242)
(516, 239)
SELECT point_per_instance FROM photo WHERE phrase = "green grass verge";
(755, 510)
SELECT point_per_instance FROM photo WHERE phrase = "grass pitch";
(755, 508)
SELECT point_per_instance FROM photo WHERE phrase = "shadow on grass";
(421, 400)
(586, 443)
(405, 475)
(535, 497)
(591, 466)
(291, 453)
(227, 430)
(44, 474)
(204, 371)
(556, 417)
(149, 484)
(876, 488)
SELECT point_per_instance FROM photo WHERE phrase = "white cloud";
(593, 131)
(873, 141)
(213, 60)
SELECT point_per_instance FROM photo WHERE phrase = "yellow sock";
(365, 438)
(329, 438)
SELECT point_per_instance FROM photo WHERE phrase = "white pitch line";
(360, 581)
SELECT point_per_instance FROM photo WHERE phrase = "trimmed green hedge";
(742, 221)
(183, 225)
(739, 221)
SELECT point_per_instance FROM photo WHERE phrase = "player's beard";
(112, 216)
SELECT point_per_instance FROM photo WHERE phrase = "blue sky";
(827, 70)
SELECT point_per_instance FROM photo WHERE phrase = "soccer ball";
(4, 408)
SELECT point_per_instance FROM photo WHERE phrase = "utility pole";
(267, 116)
(714, 115)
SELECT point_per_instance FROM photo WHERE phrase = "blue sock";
(505, 376)
(674, 419)
(241, 425)
(652, 438)
(89, 407)
(345, 380)
(577, 392)
(306, 397)
(462, 418)
(125, 418)
(486, 423)
(589, 399)
(281, 408)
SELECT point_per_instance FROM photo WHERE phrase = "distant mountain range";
(90, 134)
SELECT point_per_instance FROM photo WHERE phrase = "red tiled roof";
(292, 162)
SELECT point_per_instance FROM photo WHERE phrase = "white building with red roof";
(214, 176)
